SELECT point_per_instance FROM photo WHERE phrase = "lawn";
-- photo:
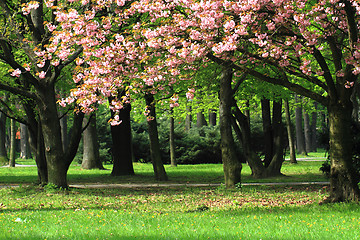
(202, 173)
(176, 212)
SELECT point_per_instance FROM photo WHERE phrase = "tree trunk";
(307, 131)
(91, 157)
(313, 129)
(36, 142)
(200, 119)
(244, 135)
(64, 132)
(212, 117)
(231, 164)
(274, 169)
(57, 164)
(122, 150)
(247, 111)
(155, 153)
(24, 142)
(343, 179)
(188, 119)
(172, 140)
(300, 141)
(268, 138)
(12, 143)
(3, 153)
(290, 133)
(40, 157)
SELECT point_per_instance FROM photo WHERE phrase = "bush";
(198, 145)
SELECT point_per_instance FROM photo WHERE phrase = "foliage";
(192, 147)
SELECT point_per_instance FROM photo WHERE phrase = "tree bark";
(12, 143)
(343, 179)
(91, 157)
(25, 152)
(313, 129)
(212, 117)
(40, 158)
(244, 135)
(290, 132)
(57, 162)
(200, 119)
(122, 150)
(231, 164)
(307, 131)
(172, 140)
(155, 153)
(274, 168)
(64, 132)
(300, 141)
(188, 118)
(3, 153)
(268, 138)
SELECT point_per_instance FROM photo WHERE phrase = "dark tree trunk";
(313, 129)
(56, 164)
(247, 111)
(268, 138)
(355, 101)
(274, 169)
(58, 161)
(231, 164)
(91, 157)
(40, 157)
(122, 150)
(3, 153)
(36, 142)
(290, 132)
(343, 178)
(244, 135)
(212, 117)
(300, 141)
(172, 140)
(307, 131)
(155, 153)
(24, 142)
(188, 118)
(64, 132)
(200, 119)
(12, 143)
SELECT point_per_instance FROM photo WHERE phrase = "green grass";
(262, 212)
(202, 173)
(251, 212)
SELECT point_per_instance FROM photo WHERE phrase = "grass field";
(202, 173)
(250, 212)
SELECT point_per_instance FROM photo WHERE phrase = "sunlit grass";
(166, 213)
(202, 173)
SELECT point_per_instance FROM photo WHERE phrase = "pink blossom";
(42, 75)
(16, 73)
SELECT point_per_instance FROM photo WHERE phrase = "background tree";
(12, 155)
(91, 157)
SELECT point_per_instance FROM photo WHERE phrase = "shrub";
(198, 145)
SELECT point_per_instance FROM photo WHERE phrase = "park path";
(161, 185)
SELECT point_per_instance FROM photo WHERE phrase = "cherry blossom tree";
(309, 47)
(36, 66)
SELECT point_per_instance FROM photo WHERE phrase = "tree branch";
(281, 81)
